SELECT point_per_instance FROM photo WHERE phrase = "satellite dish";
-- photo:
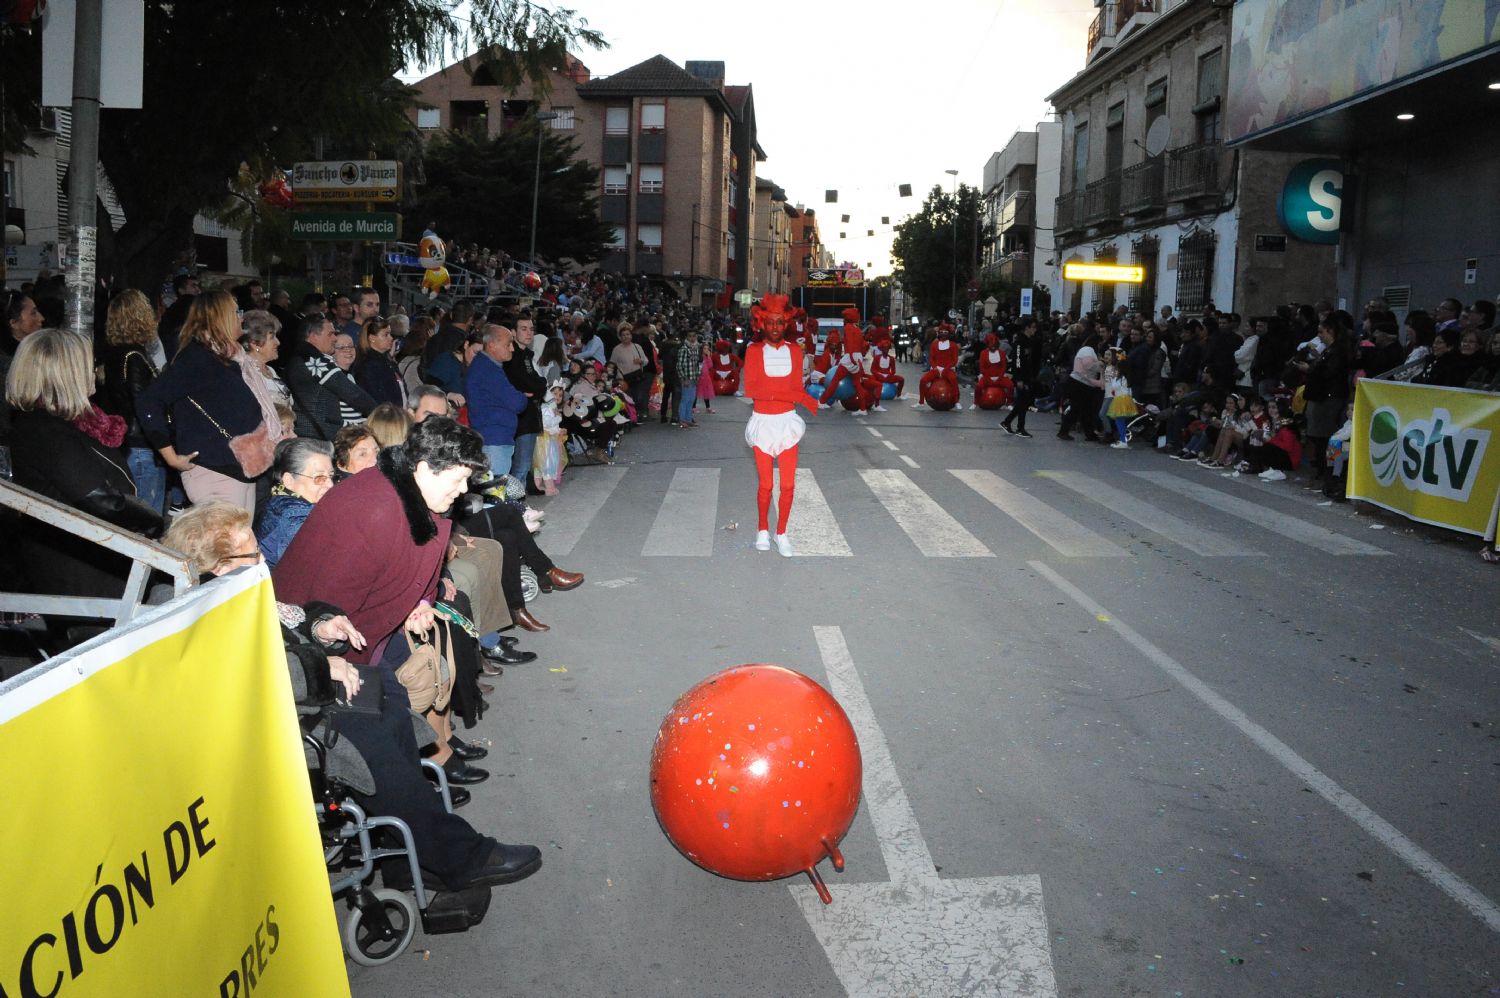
(1157, 136)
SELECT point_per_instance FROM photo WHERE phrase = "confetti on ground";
(1102, 617)
(731, 525)
(558, 668)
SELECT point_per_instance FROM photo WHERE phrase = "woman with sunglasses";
(303, 474)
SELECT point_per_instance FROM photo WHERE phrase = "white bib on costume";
(778, 360)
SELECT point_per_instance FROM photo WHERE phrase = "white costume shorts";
(774, 432)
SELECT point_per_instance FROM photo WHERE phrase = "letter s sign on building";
(1312, 200)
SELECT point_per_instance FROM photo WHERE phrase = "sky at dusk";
(864, 98)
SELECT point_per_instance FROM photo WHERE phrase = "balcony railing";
(1018, 209)
(1102, 201)
(1113, 16)
(1194, 171)
(1143, 187)
(1069, 213)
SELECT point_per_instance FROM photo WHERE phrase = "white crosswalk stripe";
(1262, 516)
(1208, 543)
(570, 513)
(1066, 536)
(685, 524)
(935, 533)
(813, 531)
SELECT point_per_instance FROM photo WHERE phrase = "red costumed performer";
(805, 332)
(883, 370)
(833, 348)
(852, 363)
(724, 368)
(942, 364)
(773, 380)
(992, 364)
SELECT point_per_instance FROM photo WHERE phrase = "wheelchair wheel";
(529, 587)
(371, 948)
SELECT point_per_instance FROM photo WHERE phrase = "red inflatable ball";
(756, 775)
(864, 397)
(991, 396)
(727, 385)
(942, 396)
(531, 282)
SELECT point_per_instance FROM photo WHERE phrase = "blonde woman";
(65, 448)
(131, 361)
(201, 404)
(389, 424)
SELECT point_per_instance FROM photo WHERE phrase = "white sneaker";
(877, 408)
(825, 405)
(762, 540)
(918, 405)
(1272, 475)
(784, 545)
(1120, 445)
(860, 412)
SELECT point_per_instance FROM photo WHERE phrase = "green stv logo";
(1427, 455)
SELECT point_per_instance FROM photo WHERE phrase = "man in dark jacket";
(1218, 355)
(521, 370)
(185, 286)
(1025, 369)
(318, 384)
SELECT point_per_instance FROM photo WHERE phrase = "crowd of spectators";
(379, 462)
(1269, 394)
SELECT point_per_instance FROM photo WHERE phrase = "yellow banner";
(1430, 454)
(156, 814)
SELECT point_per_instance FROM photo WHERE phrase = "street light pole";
(953, 265)
(536, 187)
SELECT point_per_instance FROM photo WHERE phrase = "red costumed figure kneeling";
(773, 380)
(883, 370)
(852, 363)
(992, 376)
(724, 368)
(942, 364)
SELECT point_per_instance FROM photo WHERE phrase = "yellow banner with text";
(157, 815)
(1427, 453)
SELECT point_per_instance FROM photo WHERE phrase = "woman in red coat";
(773, 380)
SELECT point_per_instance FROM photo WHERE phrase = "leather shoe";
(486, 688)
(490, 667)
(556, 578)
(458, 796)
(462, 773)
(526, 621)
(465, 750)
(508, 656)
(507, 864)
(506, 641)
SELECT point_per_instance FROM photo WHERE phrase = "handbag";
(255, 451)
(426, 676)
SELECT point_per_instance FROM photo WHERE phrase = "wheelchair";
(379, 922)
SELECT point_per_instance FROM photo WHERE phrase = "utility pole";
(83, 168)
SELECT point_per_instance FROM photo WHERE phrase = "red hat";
(851, 315)
(992, 341)
(944, 327)
(721, 345)
(834, 336)
(884, 344)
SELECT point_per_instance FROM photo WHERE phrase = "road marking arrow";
(920, 934)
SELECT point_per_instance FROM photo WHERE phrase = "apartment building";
(676, 149)
(770, 249)
(1146, 177)
(1020, 205)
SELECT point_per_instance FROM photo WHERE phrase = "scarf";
(256, 382)
(101, 426)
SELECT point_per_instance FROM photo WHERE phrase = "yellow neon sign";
(1134, 274)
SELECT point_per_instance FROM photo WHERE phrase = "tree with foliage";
(935, 246)
(261, 84)
(479, 190)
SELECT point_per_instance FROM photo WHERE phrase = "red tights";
(787, 461)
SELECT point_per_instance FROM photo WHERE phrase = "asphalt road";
(1159, 732)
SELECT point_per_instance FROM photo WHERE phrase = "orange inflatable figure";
(756, 774)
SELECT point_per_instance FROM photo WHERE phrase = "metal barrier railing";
(145, 555)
